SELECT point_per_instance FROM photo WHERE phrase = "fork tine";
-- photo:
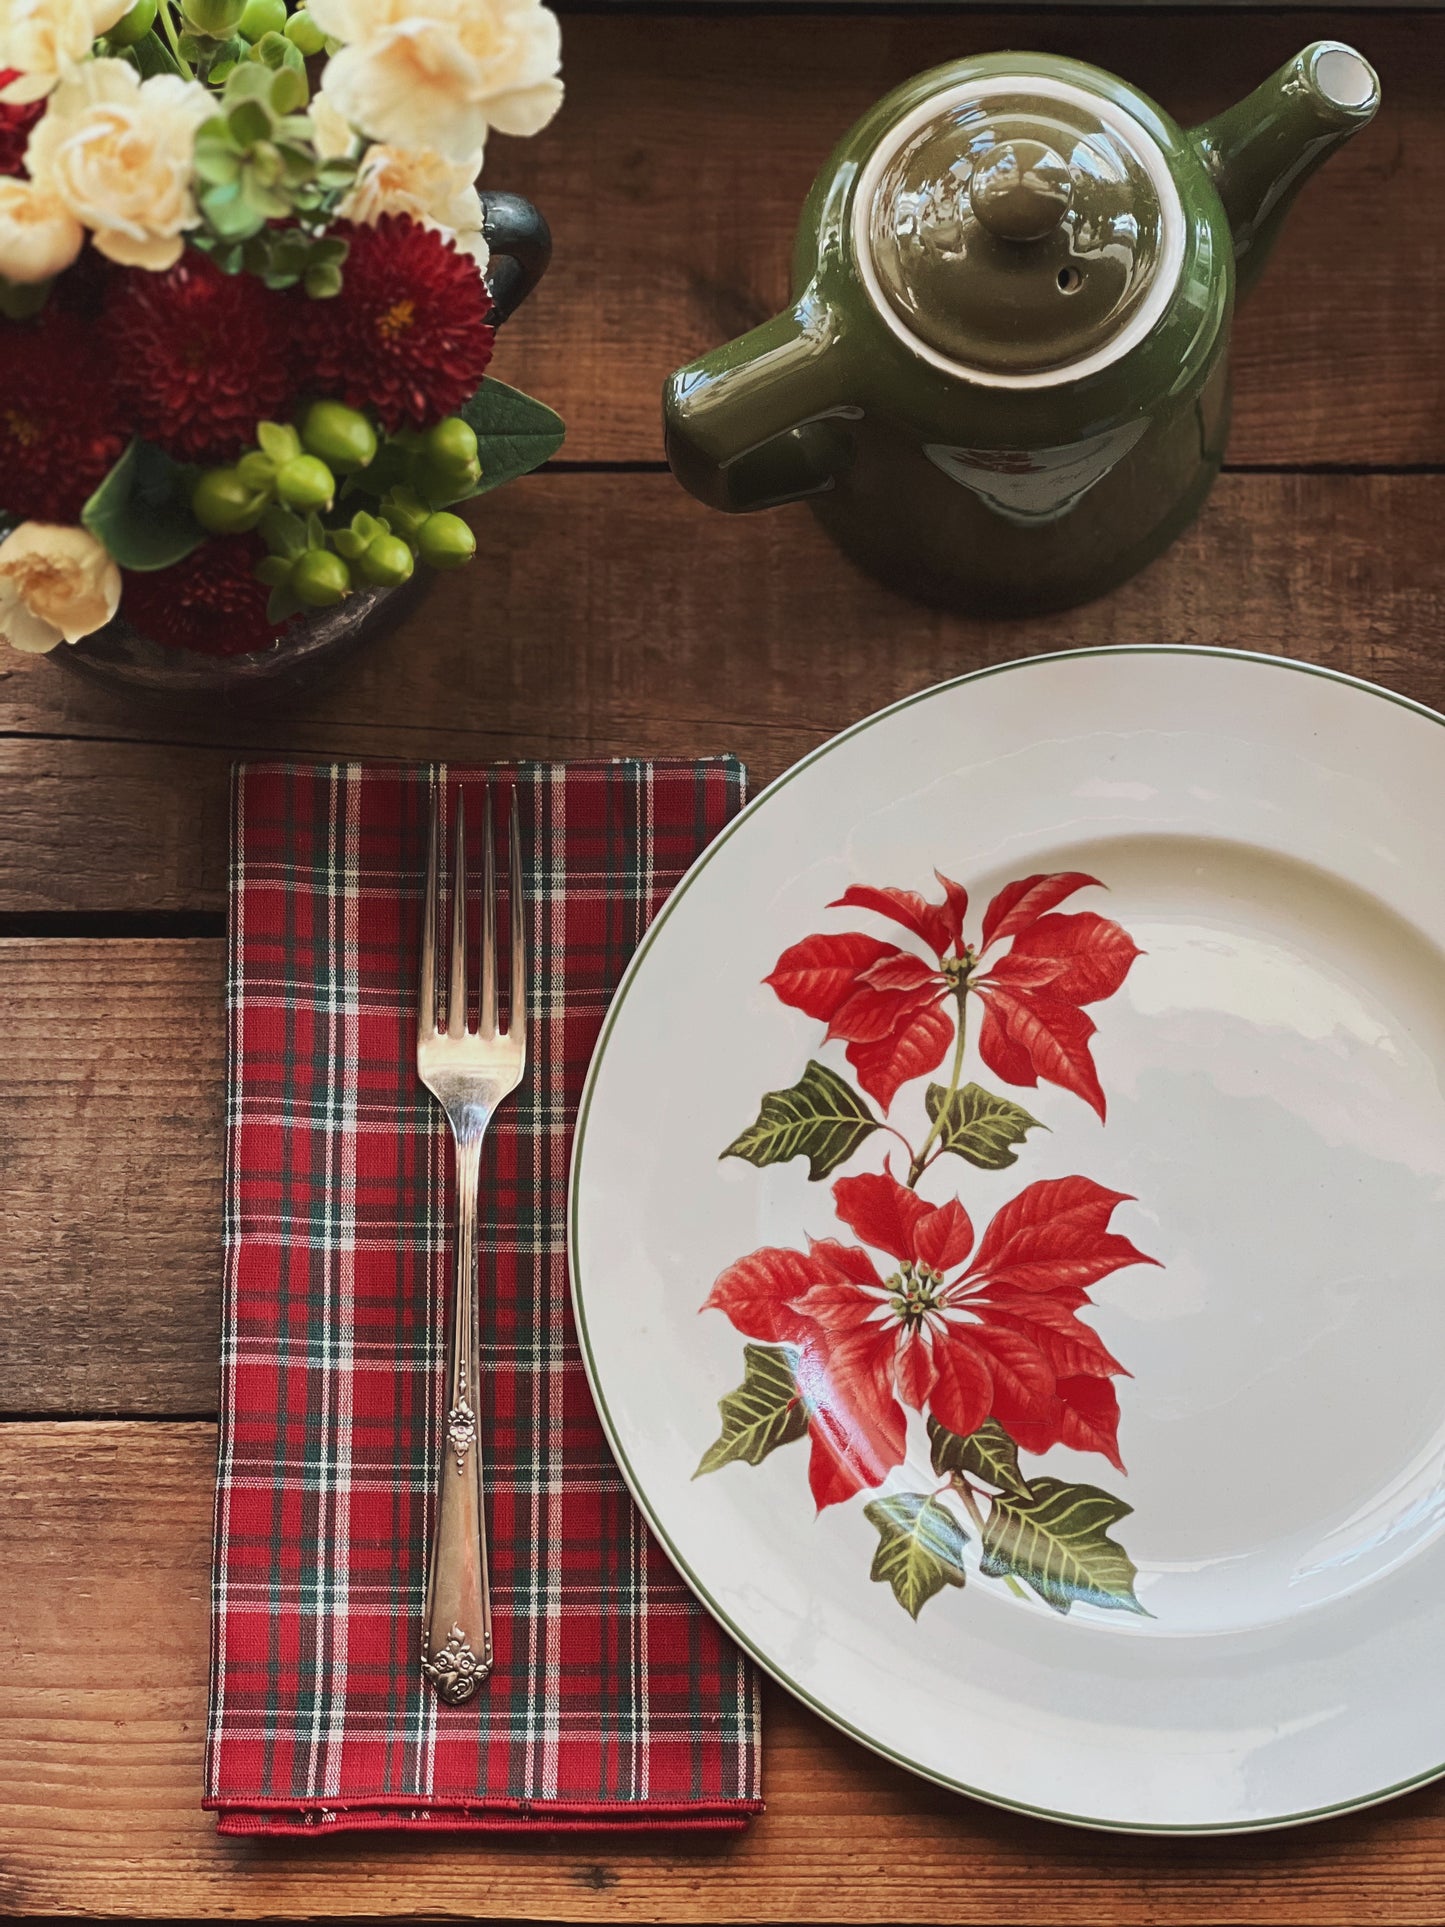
(517, 1016)
(457, 970)
(426, 1008)
(489, 927)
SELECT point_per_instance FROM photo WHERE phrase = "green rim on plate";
(579, 1309)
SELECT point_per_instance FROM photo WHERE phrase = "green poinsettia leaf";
(514, 433)
(142, 510)
(988, 1454)
(820, 1118)
(765, 1411)
(979, 1125)
(1057, 1541)
(920, 1548)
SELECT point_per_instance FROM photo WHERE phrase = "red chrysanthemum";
(59, 429)
(211, 602)
(200, 357)
(15, 126)
(407, 337)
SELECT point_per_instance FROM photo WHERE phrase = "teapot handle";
(520, 243)
(759, 421)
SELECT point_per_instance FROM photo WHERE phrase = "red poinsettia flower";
(995, 1338)
(896, 1009)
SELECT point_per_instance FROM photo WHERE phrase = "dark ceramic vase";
(122, 656)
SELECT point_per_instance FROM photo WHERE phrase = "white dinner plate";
(1177, 1206)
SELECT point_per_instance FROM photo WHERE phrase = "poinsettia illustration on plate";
(976, 1328)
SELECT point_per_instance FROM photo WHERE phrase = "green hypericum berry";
(262, 17)
(320, 579)
(222, 502)
(302, 31)
(305, 483)
(341, 436)
(133, 26)
(217, 19)
(386, 562)
(451, 444)
(445, 541)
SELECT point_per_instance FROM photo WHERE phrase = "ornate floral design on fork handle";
(981, 1336)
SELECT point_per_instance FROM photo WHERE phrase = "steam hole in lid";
(1070, 280)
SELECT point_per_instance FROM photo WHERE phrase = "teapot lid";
(1019, 230)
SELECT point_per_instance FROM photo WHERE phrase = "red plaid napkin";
(615, 1700)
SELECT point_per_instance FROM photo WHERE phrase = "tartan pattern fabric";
(615, 1700)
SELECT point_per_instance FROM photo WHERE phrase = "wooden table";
(609, 613)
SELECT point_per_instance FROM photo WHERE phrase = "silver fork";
(468, 1072)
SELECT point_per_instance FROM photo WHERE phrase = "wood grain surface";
(665, 629)
(689, 141)
(608, 613)
(104, 1594)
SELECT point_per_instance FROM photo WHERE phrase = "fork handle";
(456, 1650)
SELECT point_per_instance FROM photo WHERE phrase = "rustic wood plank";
(104, 1579)
(610, 614)
(112, 1097)
(674, 176)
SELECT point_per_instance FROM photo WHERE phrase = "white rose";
(38, 235)
(118, 152)
(56, 584)
(44, 39)
(436, 74)
(438, 193)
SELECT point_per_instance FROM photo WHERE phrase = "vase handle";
(521, 246)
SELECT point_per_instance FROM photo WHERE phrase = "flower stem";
(168, 24)
(920, 1161)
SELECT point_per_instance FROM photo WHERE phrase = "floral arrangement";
(980, 1336)
(244, 324)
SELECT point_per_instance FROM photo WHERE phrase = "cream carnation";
(436, 74)
(44, 39)
(331, 132)
(56, 585)
(38, 234)
(118, 152)
(438, 193)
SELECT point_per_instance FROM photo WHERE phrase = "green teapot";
(1003, 382)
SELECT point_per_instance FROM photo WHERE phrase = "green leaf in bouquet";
(248, 121)
(988, 1454)
(142, 510)
(19, 300)
(1057, 1541)
(515, 434)
(920, 1548)
(282, 602)
(278, 440)
(765, 1411)
(322, 284)
(283, 532)
(218, 163)
(820, 1118)
(151, 56)
(289, 90)
(979, 1125)
(229, 214)
(274, 570)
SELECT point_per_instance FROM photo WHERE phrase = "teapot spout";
(1260, 152)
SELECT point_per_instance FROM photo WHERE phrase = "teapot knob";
(1021, 190)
